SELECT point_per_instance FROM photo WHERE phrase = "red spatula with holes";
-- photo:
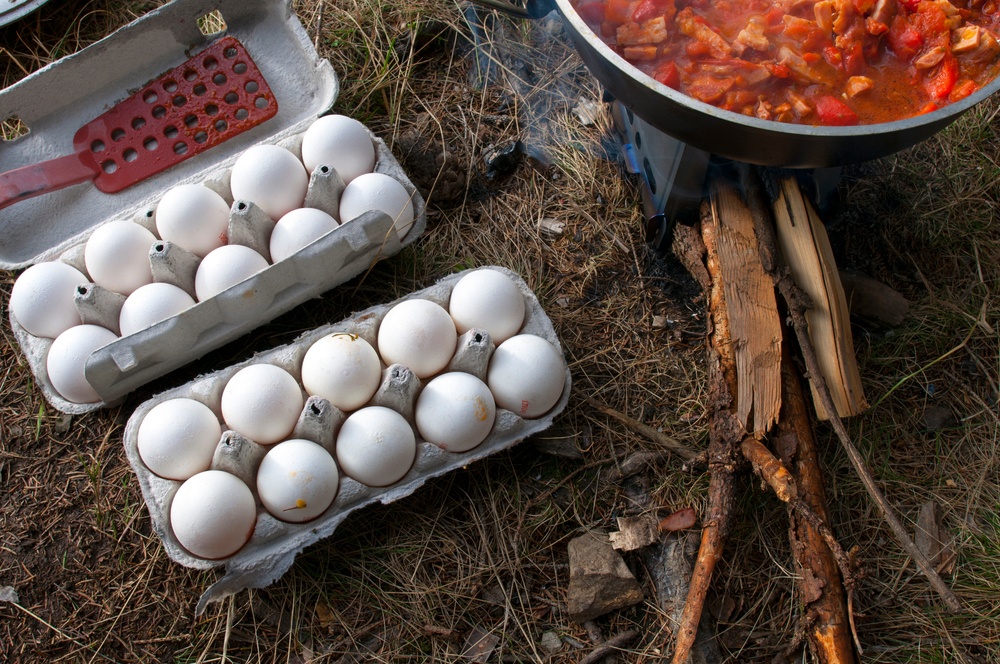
(212, 97)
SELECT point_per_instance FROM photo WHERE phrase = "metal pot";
(732, 135)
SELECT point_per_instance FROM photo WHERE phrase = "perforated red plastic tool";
(212, 97)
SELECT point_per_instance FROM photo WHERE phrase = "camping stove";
(673, 176)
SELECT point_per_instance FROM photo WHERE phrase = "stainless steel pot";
(733, 135)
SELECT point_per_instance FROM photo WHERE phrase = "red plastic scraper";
(212, 97)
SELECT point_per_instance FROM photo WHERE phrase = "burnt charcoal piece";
(503, 160)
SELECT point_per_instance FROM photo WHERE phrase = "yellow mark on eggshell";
(481, 412)
(299, 505)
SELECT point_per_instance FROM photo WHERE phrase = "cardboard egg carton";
(274, 544)
(58, 99)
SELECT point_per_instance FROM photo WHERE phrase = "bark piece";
(670, 563)
(599, 579)
(806, 249)
(932, 538)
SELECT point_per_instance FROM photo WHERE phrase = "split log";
(806, 249)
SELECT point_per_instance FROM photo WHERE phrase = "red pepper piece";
(648, 9)
(941, 81)
(835, 112)
(669, 75)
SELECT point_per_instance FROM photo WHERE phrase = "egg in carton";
(101, 364)
(274, 465)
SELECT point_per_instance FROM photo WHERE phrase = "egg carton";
(274, 545)
(55, 226)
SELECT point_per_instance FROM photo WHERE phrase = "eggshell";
(526, 375)
(226, 267)
(213, 514)
(342, 368)
(272, 177)
(378, 191)
(177, 438)
(376, 446)
(117, 256)
(297, 480)
(67, 359)
(418, 334)
(297, 229)
(455, 411)
(150, 304)
(488, 300)
(193, 217)
(262, 402)
(42, 298)
(340, 142)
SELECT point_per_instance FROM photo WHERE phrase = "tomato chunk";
(903, 38)
(669, 75)
(835, 112)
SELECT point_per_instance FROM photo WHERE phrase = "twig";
(614, 643)
(797, 305)
(685, 453)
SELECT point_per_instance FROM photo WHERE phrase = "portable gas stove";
(673, 176)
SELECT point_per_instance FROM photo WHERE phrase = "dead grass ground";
(485, 548)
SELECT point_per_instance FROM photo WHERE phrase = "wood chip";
(635, 532)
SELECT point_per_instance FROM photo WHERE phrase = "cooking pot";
(733, 135)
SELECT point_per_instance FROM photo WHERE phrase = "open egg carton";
(56, 227)
(277, 532)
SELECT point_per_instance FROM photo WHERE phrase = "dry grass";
(485, 548)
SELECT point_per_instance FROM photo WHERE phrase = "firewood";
(806, 250)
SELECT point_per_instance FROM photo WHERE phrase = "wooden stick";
(797, 305)
(725, 434)
(685, 453)
(612, 644)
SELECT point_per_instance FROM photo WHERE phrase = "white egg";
(297, 480)
(418, 334)
(378, 191)
(117, 256)
(376, 446)
(213, 514)
(42, 298)
(67, 359)
(299, 228)
(340, 142)
(150, 304)
(526, 375)
(488, 300)
(455, 411)
(193, 217)
(342, 368)
(225, 267)
(272, 177)
(177, 438)
(262, 402)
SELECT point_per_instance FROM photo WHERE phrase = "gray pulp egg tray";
(55, 101)
(274, 544)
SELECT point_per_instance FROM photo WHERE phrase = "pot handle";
(532, 9)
